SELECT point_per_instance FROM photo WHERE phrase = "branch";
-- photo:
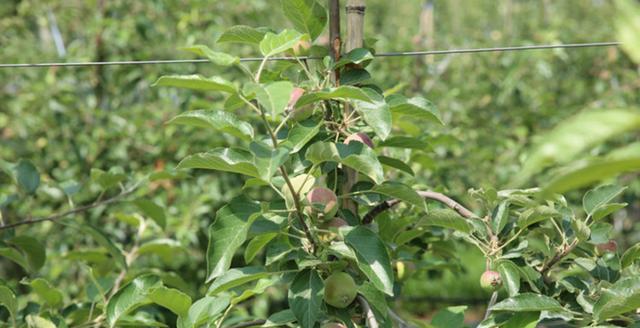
(492, 302)
(556, 259)
(76, 210)
(369, 316)
(442, 198)
(398, 319)
(250, 323)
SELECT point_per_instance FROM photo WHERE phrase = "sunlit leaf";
(234, 160)
(216, 57)
(373, 258)
(528, 302)
(218, 120)
(130, 297)
(196, 82)
(243, 34)
(307, 16)
(172, 299)
(273, 44)
(621, 297)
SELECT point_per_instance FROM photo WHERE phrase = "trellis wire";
(384, 54)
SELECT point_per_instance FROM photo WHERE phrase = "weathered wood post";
(355, 39)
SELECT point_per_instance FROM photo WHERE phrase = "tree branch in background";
(442, 198)
(366, 309)
(76, 210)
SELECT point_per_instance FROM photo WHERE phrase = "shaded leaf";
(344, 92)
(414, 108)
(280, 319)
(630, 255)
(401, 191)
(152, 210)
(51, 295)
(446, 218)
(355, 155)
(301, 133)
(165, 248)
(172, 299)
(34, 251)
(450, 317)
(375, 113)
(27, 176)
(396, 164)
(267, 159)
(8, 300)
(203, 311)
(273, 96)
(621, 297)
(256, 245)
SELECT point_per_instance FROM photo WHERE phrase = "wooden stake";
(335, 43)
(355, 39)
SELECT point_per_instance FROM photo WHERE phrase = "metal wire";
(384, 54)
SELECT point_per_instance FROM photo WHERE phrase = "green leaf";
(450, 317)
(305, 297)
(280, 319)
(535, 215)
(600, 196)
(342, 93)
(589, 173)
(501, 218)
(166, 249)
(228, 233)
(396, 164)
(273, 96)
(273, 44)
(242, 34)
(607, 209)
(51, 295)
(103, 240)
(628, 27)
(27, 176)
(237, 277)
(355, 155)
(218, 58)
(109, 179)
(301, 133)
(196, 82)
(510, 275)
(375, 113)
(234, 160)
(172, 299)
(130, 297)
(256, 245)
(203, 311)
(528, 302)
(570, 138)
(152, 210)
(523, 320)
(34, 321)
(358, 56)
(218, 120)
(414, 108)
(375, 297)
(307, 16)
(267, 159)
(33, 250)
(401, 191)
(8, 300)
(621, 297)
(15, 256)
(446, 218)
(372, 257)
(630, 255)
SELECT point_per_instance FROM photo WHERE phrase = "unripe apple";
(293, 98)
(609, 247)
(340, 290)
(301, 184)
(490, 280)
(359, 137)
(323, 201)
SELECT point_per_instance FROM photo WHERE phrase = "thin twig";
(369, 316)
(250, 323)
(442, 198)
(398, 319)
(492, 302)
(76, 210)
(556, 259)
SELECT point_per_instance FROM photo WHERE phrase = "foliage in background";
(85, 137)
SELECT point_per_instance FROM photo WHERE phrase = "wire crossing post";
(355, 39)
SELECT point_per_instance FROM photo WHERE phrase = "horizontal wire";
(257, 59)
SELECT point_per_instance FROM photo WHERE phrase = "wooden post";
(355, 39)
(335, 43)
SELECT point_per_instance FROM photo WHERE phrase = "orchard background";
(125, 201)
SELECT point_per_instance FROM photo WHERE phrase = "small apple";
(340, 290)
(490, 280)
(323, 201)
(359, 137)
